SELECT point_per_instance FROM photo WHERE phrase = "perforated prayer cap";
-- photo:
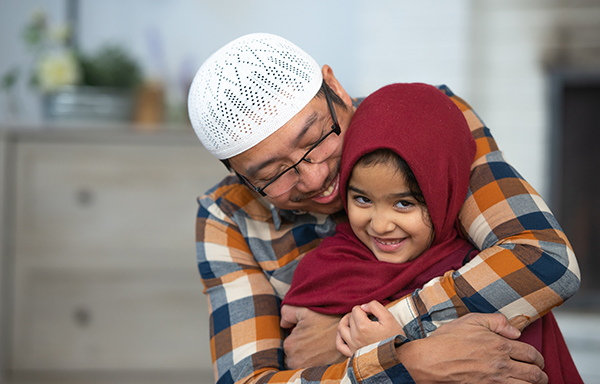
(247, 90)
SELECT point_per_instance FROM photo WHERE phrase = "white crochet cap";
(247, 90)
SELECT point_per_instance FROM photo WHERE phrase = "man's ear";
(335, 85)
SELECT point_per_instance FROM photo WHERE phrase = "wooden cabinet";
(100, 257)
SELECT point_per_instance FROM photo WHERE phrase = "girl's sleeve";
(526, 265)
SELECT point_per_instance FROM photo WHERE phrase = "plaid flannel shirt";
(247, 251)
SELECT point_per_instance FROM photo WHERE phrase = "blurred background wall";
(511, 60)
(496, 55)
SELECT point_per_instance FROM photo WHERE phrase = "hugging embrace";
(278, 122)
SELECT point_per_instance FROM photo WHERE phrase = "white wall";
(514, 45)
(489, 52)
(403, 41)
(368, 44)
(173, 38)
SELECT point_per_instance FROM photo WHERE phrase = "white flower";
(60, 34)
(57, 69)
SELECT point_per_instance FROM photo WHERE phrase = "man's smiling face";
(317, 189)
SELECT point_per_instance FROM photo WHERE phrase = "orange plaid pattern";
(247, 253)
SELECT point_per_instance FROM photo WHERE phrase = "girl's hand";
(357, 330)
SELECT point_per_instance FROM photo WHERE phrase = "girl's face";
(385, 216)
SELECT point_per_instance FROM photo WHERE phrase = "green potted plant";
(105, 90)
(72, 84)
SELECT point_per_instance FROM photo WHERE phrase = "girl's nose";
(381, 223)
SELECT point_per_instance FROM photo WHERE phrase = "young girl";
(404, 177)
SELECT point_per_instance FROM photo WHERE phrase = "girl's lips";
(330, 194)
(388, 245)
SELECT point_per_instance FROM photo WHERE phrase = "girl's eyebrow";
(398, 195)
(356, 190)
(252, 170)
(401, 195)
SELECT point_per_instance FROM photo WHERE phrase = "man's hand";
(357, 330)
(312, 341)
(476, 348)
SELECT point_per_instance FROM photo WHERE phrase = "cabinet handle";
(82, 316)
(84, 197)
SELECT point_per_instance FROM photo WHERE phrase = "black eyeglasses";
(317, 154)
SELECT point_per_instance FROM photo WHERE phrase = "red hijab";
(424, 127)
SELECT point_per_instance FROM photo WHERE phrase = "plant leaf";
(9, 79)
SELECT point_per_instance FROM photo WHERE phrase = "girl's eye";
(361, 200)
(403, 204)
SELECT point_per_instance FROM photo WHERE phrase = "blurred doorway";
(575, 174)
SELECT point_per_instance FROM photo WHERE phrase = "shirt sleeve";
(246, 340)
(526, 265)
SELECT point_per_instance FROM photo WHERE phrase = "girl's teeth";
(388, 243)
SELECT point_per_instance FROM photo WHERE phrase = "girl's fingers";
(341, 346)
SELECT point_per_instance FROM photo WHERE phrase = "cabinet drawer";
(107, 200)
(104, 275)
(117, 320)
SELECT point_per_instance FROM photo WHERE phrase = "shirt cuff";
(405, 313)
(378, 363)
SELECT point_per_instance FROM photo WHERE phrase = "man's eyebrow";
(251, 171)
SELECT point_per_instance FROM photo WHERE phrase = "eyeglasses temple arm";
(336, 126)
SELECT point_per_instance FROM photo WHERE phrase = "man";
(266, 109)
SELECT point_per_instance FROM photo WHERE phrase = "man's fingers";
(527, 373)
(286, 324)
(312, 341)
(526, 353)
(517, 381)
(479, 353)
(495, 322)
(289, 316)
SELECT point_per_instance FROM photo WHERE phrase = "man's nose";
(312, 176)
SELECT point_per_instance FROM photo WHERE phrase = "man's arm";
(526, 265)
(245, 337)
(454, 353)
(247, 342)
